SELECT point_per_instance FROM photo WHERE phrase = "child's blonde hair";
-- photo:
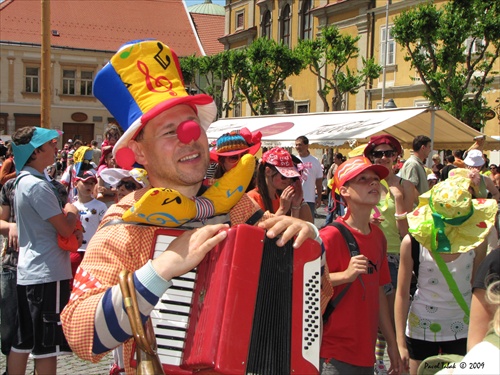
(493, 297)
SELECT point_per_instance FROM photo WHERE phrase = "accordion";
(250, 307)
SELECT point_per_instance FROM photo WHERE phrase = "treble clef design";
(160, 84)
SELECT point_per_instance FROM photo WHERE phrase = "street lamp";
(390, 104)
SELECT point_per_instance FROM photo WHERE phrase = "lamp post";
(390, 104)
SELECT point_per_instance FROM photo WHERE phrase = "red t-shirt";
(254, 194)
(351, 331)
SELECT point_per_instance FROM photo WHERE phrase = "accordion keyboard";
(170, 315)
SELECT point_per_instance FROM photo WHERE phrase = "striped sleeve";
(112, 326)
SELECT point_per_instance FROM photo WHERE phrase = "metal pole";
(384, 55)
(45, 69)
(433, 122)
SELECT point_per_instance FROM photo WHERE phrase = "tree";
(259, 73)
(327, 58)
(454, 50)
(219, 72)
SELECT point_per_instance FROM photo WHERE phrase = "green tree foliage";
(454, 50)
(260, 72)
(327, 58)
(215, 71)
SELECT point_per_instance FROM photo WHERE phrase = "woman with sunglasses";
(396, 200)
(229, 149)
(279, 189)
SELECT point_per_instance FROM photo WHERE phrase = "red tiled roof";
(210, 28)
(102, 25)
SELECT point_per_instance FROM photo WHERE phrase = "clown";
(165, 133)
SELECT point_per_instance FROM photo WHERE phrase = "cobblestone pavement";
(72, 365)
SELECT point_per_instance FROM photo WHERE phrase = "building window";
(240, 20)
(421, 103)
(86, 83)
(266, 25)
(32, 80)
(302, 107)
(237, 109)
(306, 21)
(475, 45)
(285, 25)
(69, 79)
(387, 55)
(77, 81)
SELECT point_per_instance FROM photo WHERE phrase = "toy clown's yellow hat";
(449, 220)
(142, 80)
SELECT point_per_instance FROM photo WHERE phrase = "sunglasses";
(113, 135)
(129, 185)
(283, 178)
(386, 153)
(234, 158)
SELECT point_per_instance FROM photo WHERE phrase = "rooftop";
(101, 25)
(207, 8)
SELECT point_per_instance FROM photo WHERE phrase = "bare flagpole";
(384, 55)
(45, 70)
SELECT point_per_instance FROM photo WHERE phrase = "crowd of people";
(408, 258)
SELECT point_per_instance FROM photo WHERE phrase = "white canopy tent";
(338, 128)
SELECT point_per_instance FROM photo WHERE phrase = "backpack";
(353, 248)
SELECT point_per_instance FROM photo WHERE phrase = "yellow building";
(288, 21)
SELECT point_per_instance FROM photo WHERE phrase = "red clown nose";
(188, 131)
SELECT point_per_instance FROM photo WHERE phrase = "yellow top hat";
(142, 80)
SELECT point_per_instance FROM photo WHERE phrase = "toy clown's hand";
(169, 208)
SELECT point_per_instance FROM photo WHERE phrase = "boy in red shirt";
(350, 333)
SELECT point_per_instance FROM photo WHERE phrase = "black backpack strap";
(349, 238)
(353, 250)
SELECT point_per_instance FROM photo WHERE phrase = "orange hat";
(353, 167)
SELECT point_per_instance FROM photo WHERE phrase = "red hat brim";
(214, 155)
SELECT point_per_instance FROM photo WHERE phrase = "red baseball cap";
(353, 167)
(380, 140)
(86, 175)
(282, 160)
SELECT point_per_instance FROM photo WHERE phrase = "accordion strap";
(353, 251)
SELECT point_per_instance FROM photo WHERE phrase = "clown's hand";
(169, 208)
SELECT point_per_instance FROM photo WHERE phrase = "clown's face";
(170, 162)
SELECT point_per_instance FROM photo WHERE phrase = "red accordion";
(251, 307)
